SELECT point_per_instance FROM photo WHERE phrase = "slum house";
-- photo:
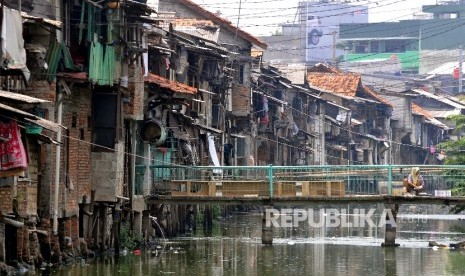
(187, 112)
(238, 108)
(415, 132)
(439, 105)
(358, 134)
(287, 118)
(23, 135)
(29, 190)
(93, 75)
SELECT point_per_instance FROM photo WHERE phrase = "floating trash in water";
(291, 242)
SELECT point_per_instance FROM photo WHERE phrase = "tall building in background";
(319, 28)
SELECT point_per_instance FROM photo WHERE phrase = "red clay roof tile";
(170, 85)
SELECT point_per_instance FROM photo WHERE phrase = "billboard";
(321, 26)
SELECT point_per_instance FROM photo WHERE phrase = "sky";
(262, 17)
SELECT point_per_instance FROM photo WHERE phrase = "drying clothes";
(13, 52)
(265, 120)
(265, 103)
(12, 152)
(213, 153)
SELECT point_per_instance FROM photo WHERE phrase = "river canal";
(234, 247)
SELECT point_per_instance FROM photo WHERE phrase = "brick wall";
(133, 107)
(76, 179)
(240, 99)
(6, 199)
(42, 90)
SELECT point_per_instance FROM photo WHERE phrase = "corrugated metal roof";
(442, 99)
(33, 118)
(21, 97)
(444, 113)
(173, 86)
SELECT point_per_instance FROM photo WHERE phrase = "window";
(104, 117)
(395, 46)
(374, 47)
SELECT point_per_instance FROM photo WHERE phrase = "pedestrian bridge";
(301, 184)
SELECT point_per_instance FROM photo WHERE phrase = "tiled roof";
(375, 96)
(324, 68)
(344, 84)
(224, 23)
(417, 110)
(170, 85)
(333, 80)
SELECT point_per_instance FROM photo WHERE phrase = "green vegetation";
(128, 239)
(455, 151)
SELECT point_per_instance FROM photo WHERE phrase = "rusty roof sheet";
(170, 85)
(21, 97)
(344, 84)
(224, 23)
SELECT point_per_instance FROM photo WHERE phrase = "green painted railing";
(357, 179)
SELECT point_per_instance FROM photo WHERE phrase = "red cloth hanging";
(12, 152)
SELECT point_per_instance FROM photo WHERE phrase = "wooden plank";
(305, 188)
(188, 188)
(211, 189)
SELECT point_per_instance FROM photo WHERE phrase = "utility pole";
(334, 48)
(460, 69)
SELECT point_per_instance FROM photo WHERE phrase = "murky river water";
(234, 248)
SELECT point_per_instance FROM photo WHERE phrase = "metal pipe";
(59, 36)
(13, 222)
(57, 161)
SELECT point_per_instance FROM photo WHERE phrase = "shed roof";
(224, 23)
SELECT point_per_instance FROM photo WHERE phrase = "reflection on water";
(234, 248)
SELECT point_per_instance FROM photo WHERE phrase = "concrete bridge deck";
(308, 200)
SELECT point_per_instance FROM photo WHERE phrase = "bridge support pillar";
(390, 227)
(267, 231)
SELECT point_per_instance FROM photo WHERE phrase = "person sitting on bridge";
(414, 182)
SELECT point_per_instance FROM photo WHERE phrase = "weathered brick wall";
(42, 90)
(133, 107)
(240, 99)
(6, 199)
(76, 115)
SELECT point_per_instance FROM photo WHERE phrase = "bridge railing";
(299, 180)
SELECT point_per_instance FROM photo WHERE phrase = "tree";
(455, 151)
